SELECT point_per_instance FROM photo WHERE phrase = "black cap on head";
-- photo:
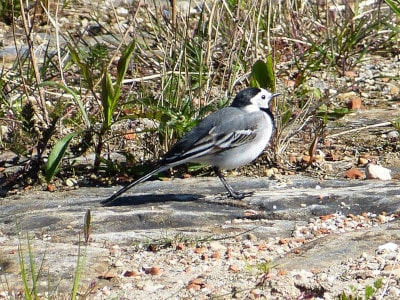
(244, 96)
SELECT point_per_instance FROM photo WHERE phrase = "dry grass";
(181, 69)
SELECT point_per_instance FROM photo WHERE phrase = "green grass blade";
(76, 57)
(394, 5)
(71, 92)
(123, 62)
(34, 275)
(78, 272)
(24, 275)
(110, 92)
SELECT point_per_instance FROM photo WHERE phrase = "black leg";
(231, 192)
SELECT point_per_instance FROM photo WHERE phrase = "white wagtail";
(226, 139)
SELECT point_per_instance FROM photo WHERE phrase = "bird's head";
(253, 99)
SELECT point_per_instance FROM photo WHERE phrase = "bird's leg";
(231, 192)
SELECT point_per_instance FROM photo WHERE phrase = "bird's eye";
(263, 97)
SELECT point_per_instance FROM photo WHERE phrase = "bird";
(226, 139)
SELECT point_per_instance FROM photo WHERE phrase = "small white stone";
(394, 291)
(377, 172)
(301, 276)
(332, 92)
(69, 182)
(268, 172)
(122, 11)
(388, 247)
(393, 136)
(118, 264)
(331, 279)
(3, 130)
(328, 168)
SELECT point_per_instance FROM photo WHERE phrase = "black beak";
(276, 95)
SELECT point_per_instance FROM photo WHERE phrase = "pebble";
(71, 182)
(346, 96)
(216, 245)
(3, 131)
(251, 237)
(301, 276)
(382, 219)
(118, 264)
(107, 275)
(115, 251)
(388, 247)
(393, 136)
(328, 168)
(354, 174)
(268, 172)
(122, 11)
(394, 292)
(354, 103)
(362, 161)
(373, 171)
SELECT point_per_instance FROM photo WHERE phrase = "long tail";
(109, 200)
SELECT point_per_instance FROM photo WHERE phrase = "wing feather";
(228, 128)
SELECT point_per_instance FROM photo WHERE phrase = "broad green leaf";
(57, 154)
(270, 74)
(262, 74)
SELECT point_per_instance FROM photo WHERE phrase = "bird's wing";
(217, 139)
(228, 128)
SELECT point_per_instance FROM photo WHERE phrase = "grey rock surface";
(53, 222)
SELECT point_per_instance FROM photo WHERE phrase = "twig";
(28, 34)
(19, 62)
(361, 128)
(174, 13)
(11, 120)
(144, 78)
(55, 23)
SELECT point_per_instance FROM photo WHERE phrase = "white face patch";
(261, 100)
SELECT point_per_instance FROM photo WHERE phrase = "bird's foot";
(239, 195)
(226, 199)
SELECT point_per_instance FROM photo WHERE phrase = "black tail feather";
(109, 200)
